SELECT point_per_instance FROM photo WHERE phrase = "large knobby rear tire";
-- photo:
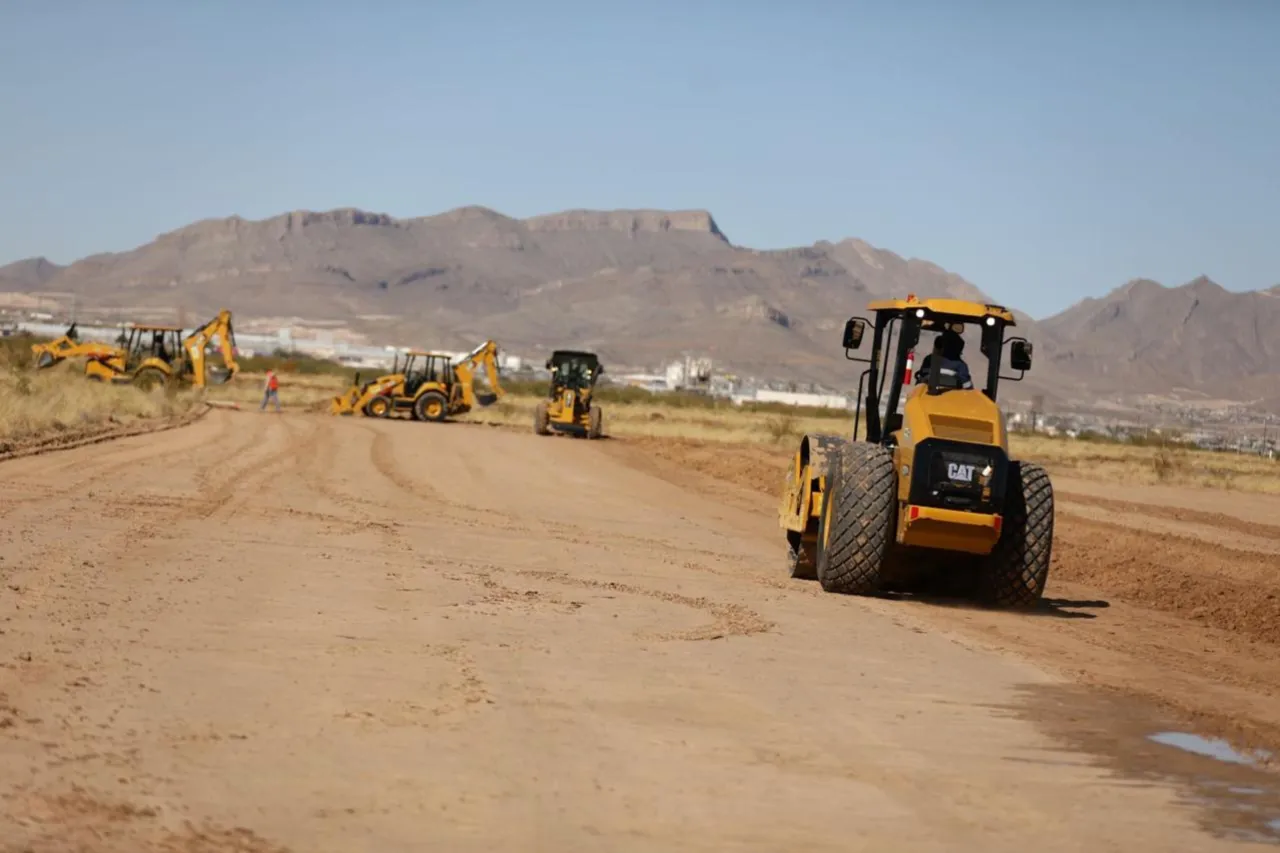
(855, 528)
(431, 406)
(541, 419)
(1014, 575)
(149, 379)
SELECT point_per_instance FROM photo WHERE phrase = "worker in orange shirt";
(271, 391)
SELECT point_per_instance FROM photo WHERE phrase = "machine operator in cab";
(953, 371)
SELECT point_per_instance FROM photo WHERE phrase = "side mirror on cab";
(600, 370)
(854, 329)
(1020, 355)
(548, 364)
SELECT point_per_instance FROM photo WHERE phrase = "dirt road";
(266, 633)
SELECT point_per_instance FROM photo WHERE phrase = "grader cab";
(570, 406)
(928, 496)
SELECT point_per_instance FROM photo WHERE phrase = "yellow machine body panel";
(570, 403)
(956, 308)
(70, 346)
(167, 355)
(961, 415)
(570, 408)
(928, 498)
(426, 385)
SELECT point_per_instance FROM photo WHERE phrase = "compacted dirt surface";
(267, 633)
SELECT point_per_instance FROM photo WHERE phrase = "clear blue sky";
(1044, 150)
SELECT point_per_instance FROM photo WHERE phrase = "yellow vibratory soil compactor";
(570, 405)
(927, 499)
(426, 385)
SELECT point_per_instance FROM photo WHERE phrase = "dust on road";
(303, 633)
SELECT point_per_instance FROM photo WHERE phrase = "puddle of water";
(1232, 794)
(1211, 748)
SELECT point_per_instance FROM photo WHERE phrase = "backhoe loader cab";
(148, 355)
(928, 492)
(569, 406)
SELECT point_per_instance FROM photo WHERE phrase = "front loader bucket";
(344, 404)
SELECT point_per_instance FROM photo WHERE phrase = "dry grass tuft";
(60, 399)
(1133, 464)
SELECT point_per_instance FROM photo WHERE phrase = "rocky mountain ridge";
(640, 286)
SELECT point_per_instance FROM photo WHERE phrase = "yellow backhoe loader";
(70, 346)
(928, 499)
(426, 385)
(569, 407)
(149, 355)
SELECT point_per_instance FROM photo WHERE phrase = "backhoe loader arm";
(219, 327)
(486, 356)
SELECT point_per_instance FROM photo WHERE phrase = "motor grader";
(426, 385)
(928, 498)
(569, 406)
(148, 355)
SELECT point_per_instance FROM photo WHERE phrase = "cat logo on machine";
(960, 472)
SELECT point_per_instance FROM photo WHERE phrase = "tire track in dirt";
(1237, 591)
(1219, 520)
(65, 441)
(728, 620)
(53, 484)
(471, 690)
(50, 566)
(466, 694)
(382, 458)
(79, 819)
(227, 497)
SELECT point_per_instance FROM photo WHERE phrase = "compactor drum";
(927, 498)
(569, 406)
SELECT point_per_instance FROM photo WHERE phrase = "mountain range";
(641, 286)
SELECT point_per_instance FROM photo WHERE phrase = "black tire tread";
(865, 494)
(420, 406)
(1015, 574)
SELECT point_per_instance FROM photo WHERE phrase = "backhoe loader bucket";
(486, 398)
(345, 403)
(45, 359)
